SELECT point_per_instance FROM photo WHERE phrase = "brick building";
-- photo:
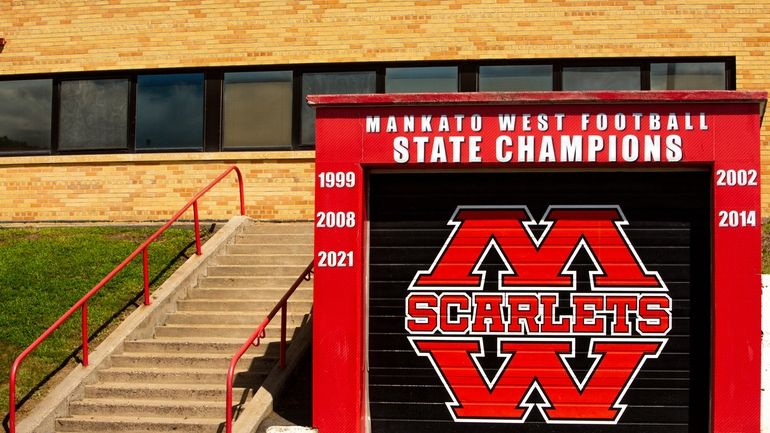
(118, 110)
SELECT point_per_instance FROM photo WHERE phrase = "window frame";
(221, 125)
(297, 144)
(729, 68)
(540, 62)
(135, 91)
(456, 66)
(54, 101)
(130, 114)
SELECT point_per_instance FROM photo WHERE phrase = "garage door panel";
(384, 342)
(665, 399)
(673, 272)
(407, 426)
(424, 377)
(660, 255)
(434, 411)
(672, 236)
(673, 361)
(386, 303)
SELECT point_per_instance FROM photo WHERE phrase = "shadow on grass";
(129, 306)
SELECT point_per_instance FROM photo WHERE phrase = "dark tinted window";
(421, 79)
(687, 76)
(514, 78)
(93, 114)
(331, 83)
(257, 109)
(602, 78)
(169, 111)
(25, 115)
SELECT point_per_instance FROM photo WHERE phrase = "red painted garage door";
(539, 301)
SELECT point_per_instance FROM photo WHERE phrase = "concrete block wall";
(151, 187)
(48, 36)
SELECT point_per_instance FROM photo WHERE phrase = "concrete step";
(255, 270)
(247, 307)
(212, 376)
(248, 282)
(266, 258)
(190, 330)
(94, 423)
(304, 293)
(301, 227)
(275, 238)
(232, 319)
(165, 391)
(192, 345)
(184, 408)
(249, 361)
(274, 248)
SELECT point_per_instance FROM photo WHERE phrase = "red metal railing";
(258, 334)
(82, 304)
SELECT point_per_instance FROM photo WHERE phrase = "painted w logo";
(537, 266)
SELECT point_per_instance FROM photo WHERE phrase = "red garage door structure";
(540, 262)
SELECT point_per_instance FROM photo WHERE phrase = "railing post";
(146, 272)
(198, 250)
(240, 189)
(12, 401)
(229, 406)
(283, 334)
(84, 329)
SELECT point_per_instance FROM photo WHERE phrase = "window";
(602, 78)
(421, 79)
(93, 114)
(331, 83)
(688, 76)
(25, 116)
(512, 78)
(169, 112)
(257, 109)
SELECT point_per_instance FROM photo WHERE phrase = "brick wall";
(81, 35)
(278, 185)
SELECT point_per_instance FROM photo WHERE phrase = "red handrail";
(258, 334)
(83, 302)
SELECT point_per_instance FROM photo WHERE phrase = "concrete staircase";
(175, 381)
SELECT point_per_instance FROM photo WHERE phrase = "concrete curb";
(259, 407)
(139, 324)
(291, 429)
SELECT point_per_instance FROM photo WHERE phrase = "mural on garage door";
(562, 312)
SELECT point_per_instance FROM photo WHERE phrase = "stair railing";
(82, 304)
(256, 336)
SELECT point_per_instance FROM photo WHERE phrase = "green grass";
(44, 271)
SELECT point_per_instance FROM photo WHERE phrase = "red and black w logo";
(626, 314)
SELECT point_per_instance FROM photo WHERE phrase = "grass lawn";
(766, 247)
(43, 271)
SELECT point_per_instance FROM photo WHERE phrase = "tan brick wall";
(81, 35)
(278, 185)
